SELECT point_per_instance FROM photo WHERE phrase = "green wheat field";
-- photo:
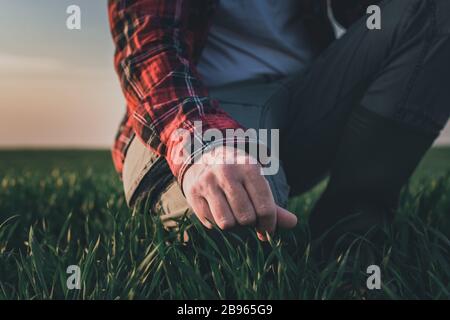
(61, 208)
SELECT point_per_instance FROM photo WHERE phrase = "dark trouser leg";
(375, 158)
(400, 73)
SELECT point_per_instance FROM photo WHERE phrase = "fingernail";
(261, 236)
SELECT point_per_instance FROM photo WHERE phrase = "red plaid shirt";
(157, 45)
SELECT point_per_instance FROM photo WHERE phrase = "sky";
(58, 87)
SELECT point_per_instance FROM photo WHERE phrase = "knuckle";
(225, 168)
(246, 219)
(250, 169)
(228, 187)
(207, 178)
(254, 176)
(226, 178)
(226, 171)
(265, 210)
(196, 189)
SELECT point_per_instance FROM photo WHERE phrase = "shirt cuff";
(189, 142)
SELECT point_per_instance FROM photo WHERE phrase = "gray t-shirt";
(251, 39)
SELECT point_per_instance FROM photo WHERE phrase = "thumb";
(286, 219)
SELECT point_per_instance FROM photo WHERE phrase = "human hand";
(233, 194)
